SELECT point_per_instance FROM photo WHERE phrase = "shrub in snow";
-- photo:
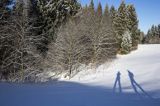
(126, 42)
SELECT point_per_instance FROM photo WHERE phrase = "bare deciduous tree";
(17, 53)
(67, 51)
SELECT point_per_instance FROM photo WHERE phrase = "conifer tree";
(112, 16)
(101, 36)
(126, 43)
(159, 30)
(107, 13)
(53, 14)
(91, 8)
(113, 13)
(120, 22)
(153, 30)
(107, 38)
(156, 30)
(133, 25)
(99, 11)
(142, 36)
(147, 37)
(153, 35)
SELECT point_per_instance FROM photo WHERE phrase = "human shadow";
(118, 80)
(63, 93)
(135, 86)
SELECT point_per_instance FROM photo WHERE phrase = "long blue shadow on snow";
(118, 80)
(136, 86)
(67, 94)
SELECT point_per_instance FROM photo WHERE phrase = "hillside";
(95, 88)
(144, 63)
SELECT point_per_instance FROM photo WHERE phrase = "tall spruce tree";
(120, 22)
(133, 25)
(159, 30)
(113, 13)
(108, 42)
(153, 30)
(99, 11)
(112, 16)
(107, 13)
(91, 8)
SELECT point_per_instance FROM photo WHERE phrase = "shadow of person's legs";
(143, 91)
(135, 85)
(114, 87)
(118, 80)
(120, 88)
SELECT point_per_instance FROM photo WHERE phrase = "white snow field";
(144, 63)
(141, 87)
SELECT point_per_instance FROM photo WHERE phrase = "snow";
(144, 63)
(95, 87)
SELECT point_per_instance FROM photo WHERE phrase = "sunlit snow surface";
(95, 87)
(144, 63)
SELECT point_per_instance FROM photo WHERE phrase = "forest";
(61, 35)
(153, 35)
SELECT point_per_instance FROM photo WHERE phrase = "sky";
(148, 11)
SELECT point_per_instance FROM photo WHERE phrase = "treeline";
(125, 23)
(153, 35)
(61, 35)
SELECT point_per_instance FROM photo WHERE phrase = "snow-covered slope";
(144, 63)
(95, 88)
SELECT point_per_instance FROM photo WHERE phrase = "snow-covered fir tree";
(126, 42)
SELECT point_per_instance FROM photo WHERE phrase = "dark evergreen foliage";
(52, 14)
(125, 19)
(153, 35)
(4, 9)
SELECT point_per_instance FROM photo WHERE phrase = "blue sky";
(148, 11)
